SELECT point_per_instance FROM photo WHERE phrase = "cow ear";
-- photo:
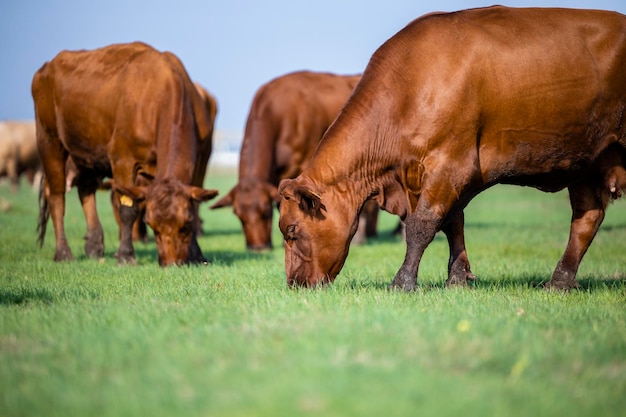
(309, 201)
(200, 194)
(129, 195)
(225, 201)
(273, 191)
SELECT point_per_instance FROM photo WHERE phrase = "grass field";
(91, 338)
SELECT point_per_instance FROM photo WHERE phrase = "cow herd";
(451, 105)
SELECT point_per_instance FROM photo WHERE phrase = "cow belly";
(545, 163)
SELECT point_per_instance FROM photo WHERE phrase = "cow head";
(253, 202)
(317, 232)
(171, 208)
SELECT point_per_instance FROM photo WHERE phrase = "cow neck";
(257, 157)
(369, 144)
(356, 155)
(176, 159)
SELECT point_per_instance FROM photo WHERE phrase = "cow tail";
(44, 212)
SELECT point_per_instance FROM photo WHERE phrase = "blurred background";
(231, 47)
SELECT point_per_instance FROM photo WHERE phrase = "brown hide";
(18, 151)
(144, 178)
(451, 105)
(118, 111)
(287, 119)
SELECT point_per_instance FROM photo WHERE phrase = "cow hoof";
(63, 256)
(460, 280)
(94, 245)
(565, 285)
(127, 261)
(406, 286)
(404, 281)
(457, 283)
(94, 252)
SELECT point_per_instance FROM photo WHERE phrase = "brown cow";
(451, 105)
(18, 151)
(140, 232)
(124, 111)
(287, 119)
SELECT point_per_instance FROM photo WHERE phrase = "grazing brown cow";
(287, 119)
(140, 232)
(451, 105)
(18, 151)
(124, 111)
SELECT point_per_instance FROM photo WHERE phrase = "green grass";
(91, 338)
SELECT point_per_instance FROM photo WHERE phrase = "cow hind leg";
(588, 209)
(359, 237)
(94, 239)
(371, 210)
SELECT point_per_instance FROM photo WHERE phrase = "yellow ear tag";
(126, 201)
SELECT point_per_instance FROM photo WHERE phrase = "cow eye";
(291, 232)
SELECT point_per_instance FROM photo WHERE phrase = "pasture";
(90, 337)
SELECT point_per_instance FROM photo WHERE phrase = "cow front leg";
(588, 209)
(128, 211)
(459, 271)
(195, 253)
(421, 228)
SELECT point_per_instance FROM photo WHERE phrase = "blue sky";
(229, 46)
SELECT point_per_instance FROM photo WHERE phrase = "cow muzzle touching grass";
(253, 203)
(171, 212)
